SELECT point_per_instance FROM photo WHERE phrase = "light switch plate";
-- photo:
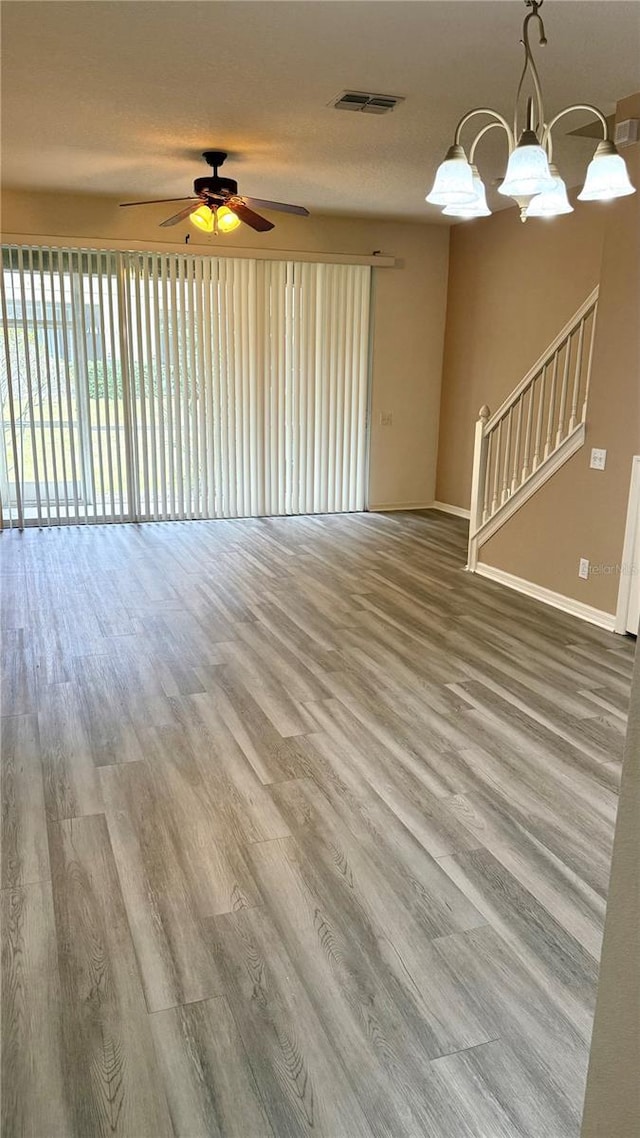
(598, 459)
(583, 568)
(386, 418)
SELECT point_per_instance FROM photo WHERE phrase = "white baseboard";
(394, 507)
(548, 597)
(457, 511)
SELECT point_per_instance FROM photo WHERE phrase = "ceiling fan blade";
(260, 224)
(160, 201)
(263, 203)
(195, 204)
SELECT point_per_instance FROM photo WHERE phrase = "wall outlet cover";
(583, 568)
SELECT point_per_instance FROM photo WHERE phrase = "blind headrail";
(197, 248)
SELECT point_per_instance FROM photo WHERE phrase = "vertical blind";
(140, 386)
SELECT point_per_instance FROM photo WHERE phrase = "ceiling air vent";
(627, 132)
(369, 104)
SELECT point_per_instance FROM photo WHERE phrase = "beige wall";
(515, 286)
(511, 289)
(409, 311)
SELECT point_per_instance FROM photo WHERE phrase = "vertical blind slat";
(8, 397)
(56, 392)
(96, 393)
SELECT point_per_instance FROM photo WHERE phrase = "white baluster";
(576, 382)
(527, 434)
(589, 363)
(538, 442)
(563, 392)
(552, 406)
(487, 479)
(496, 467)
(507, 455)
(516, 446)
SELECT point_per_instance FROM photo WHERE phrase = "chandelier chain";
(530, 67)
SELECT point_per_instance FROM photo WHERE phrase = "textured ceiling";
(122, 97)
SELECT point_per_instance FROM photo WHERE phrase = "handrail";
(548, 354)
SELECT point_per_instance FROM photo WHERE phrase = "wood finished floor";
(306, 833)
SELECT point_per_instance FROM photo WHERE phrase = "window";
(143, 386)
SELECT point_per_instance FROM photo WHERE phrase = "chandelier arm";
(546, 138)
(499, 120)
(530, 66)
(481, 133)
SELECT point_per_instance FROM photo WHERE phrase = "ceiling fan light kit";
(218, 208)
(217, 220)
(226, 219)
(531, 178)
(202, 218)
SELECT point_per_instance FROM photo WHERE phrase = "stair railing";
(537, 424)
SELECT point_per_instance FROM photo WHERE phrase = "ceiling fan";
(217, 206)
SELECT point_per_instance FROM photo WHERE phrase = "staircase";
(535, 431)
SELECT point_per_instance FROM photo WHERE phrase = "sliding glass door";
(62, 456)
(142, 386)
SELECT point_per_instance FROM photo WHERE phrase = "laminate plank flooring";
(33, 1093)
(209, 1081)
(306, 831)
(25, 855)
(112, 1083)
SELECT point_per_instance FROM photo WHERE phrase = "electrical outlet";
(583, 569)
(386, 418)
(598, 459)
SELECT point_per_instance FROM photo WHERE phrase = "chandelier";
(531, 178)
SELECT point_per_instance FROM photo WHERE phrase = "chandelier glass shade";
(607, 176)
(476, 208)
(454, 180)
(530, 178)
(551, 203)
(527, 170)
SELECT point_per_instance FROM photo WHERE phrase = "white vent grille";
(627, 132)
(368, 103)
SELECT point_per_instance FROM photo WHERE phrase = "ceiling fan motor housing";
(215, 185)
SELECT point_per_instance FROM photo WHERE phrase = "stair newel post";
(478, 482)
